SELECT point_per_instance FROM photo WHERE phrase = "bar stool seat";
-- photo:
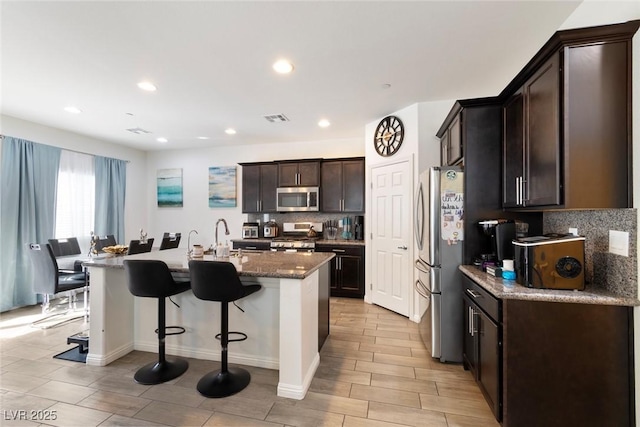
(152, 279)
(219, 281)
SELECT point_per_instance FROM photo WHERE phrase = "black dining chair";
(152, 279)
(65, 247)
(219, 281)
(136, 247)
(48, 280)
(170, 241)
(103, 242)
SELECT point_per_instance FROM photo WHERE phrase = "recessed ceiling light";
(148, 86)
(203, 137)
(230, 131)
(324, 123)
(283, 66)
(73, 110)
(162, 140)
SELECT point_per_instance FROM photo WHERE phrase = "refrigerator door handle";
(421, 266)
(419, 221)
(422, 289)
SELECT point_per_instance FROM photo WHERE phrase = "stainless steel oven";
(296, 237)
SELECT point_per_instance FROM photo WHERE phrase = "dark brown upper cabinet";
(259, 184)
(567, 123)
(342, 187)
(451, 148)
(299, 174)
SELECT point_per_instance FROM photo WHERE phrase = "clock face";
(388, 136)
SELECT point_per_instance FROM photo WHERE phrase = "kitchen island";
(281, 320)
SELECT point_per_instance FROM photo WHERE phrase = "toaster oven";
(250, 230)
(550, 261)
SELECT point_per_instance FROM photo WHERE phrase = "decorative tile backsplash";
(612, 272)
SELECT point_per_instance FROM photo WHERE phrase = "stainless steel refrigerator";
(439, 213)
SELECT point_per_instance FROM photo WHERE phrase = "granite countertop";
(289, 265)
(320, 241)
(509, 289)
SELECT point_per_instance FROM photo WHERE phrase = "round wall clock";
(388, 136)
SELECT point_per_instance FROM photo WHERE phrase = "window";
(75, 200)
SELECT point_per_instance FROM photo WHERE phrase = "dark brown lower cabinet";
(567, 364)
(347, 270)
(543, 363)
(252, 246)
(482, 343)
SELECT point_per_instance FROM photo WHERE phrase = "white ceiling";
(211, 62)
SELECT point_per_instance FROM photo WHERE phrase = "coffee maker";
(358, 227)
(501, 233)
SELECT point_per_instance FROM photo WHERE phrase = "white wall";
(135, 208)
(195, 163)
(420, 146)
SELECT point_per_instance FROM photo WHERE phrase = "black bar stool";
(152, 279)
(219, 281)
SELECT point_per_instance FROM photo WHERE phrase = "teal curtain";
(111, 181)
(28, 185)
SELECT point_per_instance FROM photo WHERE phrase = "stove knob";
(305, 245)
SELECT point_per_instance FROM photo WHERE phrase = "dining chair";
(136, 247)
(104, 241)
(48, 280)
(170, 241)
(66, 246)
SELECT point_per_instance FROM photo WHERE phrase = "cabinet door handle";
(257, 205)
(522, 190)
(517, 190)
(473, 321)
(338, 250)
(251, 247)
(470, 320)
(473, 293)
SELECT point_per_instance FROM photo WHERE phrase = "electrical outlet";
(619, 242)
(573, 230)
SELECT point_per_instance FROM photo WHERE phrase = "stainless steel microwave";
(295, 199)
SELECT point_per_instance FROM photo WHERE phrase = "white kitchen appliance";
(439, 213)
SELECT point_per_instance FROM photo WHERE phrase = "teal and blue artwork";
(169, 188)
(222, 187)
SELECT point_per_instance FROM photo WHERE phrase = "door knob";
(404, 248)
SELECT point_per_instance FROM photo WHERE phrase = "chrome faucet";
(189, 242)
(226, 230)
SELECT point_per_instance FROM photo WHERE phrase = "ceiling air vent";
(138, 130)
(273, 118)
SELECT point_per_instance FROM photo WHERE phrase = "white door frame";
(368, 243)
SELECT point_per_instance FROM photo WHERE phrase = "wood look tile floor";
(374, 372)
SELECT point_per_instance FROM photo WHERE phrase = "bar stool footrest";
(180, 330)
(243, 336)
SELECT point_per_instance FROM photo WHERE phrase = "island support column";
(299, 357)
(111, 324)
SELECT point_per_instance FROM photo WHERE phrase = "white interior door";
(392, 236)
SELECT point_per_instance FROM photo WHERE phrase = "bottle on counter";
(219, 251)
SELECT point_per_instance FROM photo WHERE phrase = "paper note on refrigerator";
(452, 211)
